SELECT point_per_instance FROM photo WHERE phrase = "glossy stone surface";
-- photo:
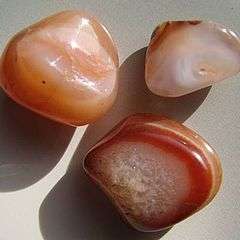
(64, 67)
(185, 56)
(156, 171)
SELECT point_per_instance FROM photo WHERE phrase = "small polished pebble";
(64, 67)
(185, 56)
(156, 171)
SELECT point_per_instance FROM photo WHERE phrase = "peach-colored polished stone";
(64, 67)
(156, 171)
(185, 56)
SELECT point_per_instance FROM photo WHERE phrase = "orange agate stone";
(156, 171)
(185, 56)
(64, 67)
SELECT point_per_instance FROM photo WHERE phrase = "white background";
(32, 158)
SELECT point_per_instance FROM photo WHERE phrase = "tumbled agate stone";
(185, 56)
(63, 67)
(156, 171)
